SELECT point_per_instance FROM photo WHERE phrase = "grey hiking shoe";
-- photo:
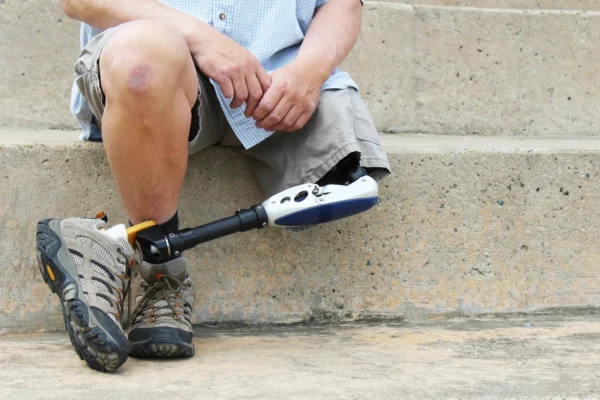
(87, 268)
(162, 319)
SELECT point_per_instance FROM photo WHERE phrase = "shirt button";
(222, 16)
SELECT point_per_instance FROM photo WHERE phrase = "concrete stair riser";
(428, 69)
(466, 230)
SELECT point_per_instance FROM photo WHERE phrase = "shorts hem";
(367, 162)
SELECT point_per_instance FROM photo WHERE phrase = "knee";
(143, 59)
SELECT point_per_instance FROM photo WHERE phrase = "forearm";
(104, 14)
(330, 36)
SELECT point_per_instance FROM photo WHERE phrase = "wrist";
(195, 32)
(315, 71)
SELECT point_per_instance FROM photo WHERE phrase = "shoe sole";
(161, 350)
(96, 338)
(161, 342)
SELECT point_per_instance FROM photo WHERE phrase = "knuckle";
(225, 74)
(284, 85)
(230, 70)
(269, 122)
(255, 94)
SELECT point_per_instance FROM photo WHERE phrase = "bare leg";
(150, 84)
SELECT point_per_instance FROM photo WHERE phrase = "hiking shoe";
(87, 269)
(162, 319)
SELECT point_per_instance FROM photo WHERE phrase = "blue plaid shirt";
(272, 30)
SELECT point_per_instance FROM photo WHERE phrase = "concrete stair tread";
(394, 143)
(524, 358)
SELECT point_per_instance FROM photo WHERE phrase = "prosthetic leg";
(305, 205)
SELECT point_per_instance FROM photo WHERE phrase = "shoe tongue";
(119, 234)
(116, 232)
(176, 268)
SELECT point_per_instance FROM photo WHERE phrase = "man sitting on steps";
(156, 81)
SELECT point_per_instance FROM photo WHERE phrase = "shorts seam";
(354, 112)
(287, 154)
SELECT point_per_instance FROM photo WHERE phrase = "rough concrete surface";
(38, 47)
(590, 5)
(421, 69)
(514, 359)
(453, 70)
(463, 230)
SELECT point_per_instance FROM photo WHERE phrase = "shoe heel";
(48, 244)
(43, 271)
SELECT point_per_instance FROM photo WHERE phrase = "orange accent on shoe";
(50, 273)
(159, 275)
(100, 215)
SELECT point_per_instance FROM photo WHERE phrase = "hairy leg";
(150, 84)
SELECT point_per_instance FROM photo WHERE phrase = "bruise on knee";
(139, 78)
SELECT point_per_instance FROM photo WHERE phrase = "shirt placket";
(223, 15)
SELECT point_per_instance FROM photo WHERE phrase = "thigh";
(205, 121)
(340, 125)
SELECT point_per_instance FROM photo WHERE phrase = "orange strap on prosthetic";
(133, 231)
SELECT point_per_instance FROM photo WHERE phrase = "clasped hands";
(281, 101)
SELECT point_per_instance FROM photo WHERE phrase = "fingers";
(241, 91)
(277, 115)
(246, 89)
(288, 121)
(255, 93)
(267, 104)
(302, 120)
(226, 86)
(263, 78)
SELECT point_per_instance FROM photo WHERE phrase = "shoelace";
(130, 266)
(122, 292)
(164, 284)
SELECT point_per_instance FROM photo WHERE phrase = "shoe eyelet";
(119, 251)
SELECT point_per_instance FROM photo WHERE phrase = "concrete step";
(467, 226)
(457, 70)
(511, 359)
(582, 5)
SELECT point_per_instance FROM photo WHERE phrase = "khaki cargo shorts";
(340, 125)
